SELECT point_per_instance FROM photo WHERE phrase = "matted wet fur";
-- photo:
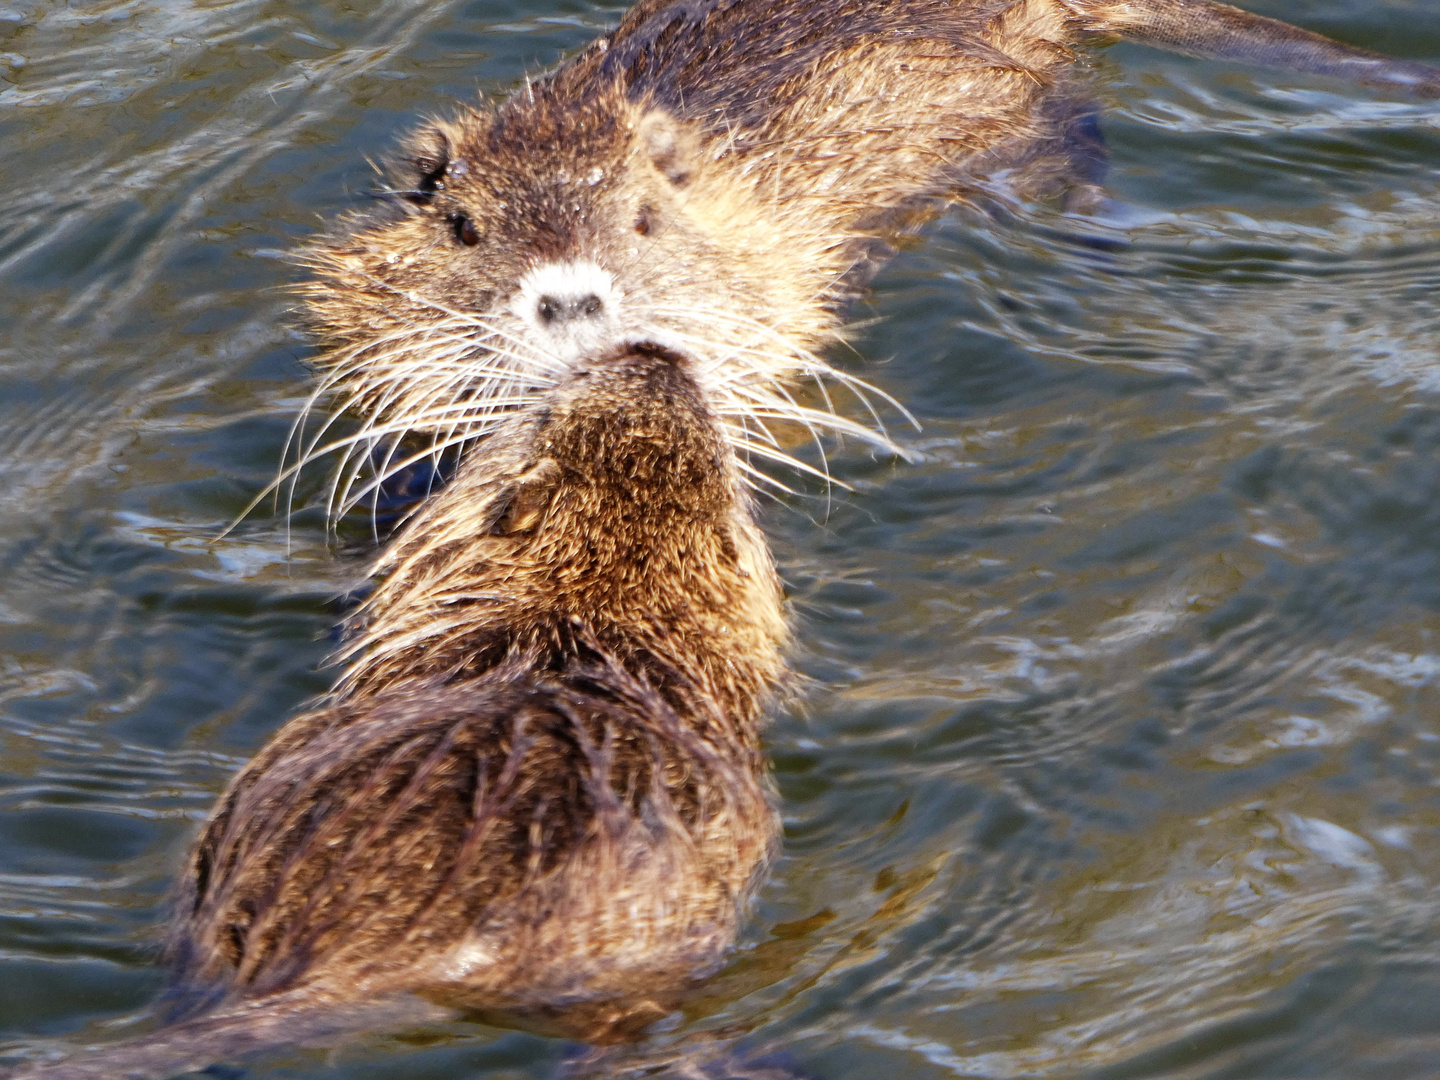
(538, 791)
(461, 818)
(541, 790)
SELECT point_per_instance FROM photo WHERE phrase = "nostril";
(569, 302)
(554, 309)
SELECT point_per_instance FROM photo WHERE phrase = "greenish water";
(1124, 755)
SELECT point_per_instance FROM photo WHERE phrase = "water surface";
(1123, 758)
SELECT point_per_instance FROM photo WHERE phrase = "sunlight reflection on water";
(1121, 758)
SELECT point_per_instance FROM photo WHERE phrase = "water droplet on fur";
(594, 176)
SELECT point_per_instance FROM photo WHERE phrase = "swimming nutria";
(543, 790)
(538, 790)
(718, 176)
(542, 795)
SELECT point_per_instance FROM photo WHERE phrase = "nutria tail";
(230, 1034)
(1221, 32)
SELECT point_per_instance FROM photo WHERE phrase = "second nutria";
(538, 790)
(542, 792)
(541, 797)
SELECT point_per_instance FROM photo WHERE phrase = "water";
(1123, 759)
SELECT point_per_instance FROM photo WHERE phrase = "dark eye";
(465, 230)
(642, 221)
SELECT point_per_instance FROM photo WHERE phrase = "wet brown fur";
(538, 791)
(542, 785)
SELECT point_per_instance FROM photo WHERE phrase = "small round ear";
(420, 170)
(671, 146)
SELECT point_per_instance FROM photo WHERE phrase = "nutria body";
(539, 796)
(542, 790)
(538, 790)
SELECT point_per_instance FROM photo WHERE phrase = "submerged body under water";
(1123, 757)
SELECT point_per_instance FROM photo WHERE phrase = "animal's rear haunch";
(538, 792)
(553, 838)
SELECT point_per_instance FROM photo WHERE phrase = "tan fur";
(538, 790)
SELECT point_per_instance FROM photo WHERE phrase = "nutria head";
(522, 240)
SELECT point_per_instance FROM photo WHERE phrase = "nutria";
(720, 176)
(541, 790)
(540, 795)
(537, 792)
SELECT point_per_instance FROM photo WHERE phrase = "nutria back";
(541, 784)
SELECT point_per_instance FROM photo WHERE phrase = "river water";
(1122, 758)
